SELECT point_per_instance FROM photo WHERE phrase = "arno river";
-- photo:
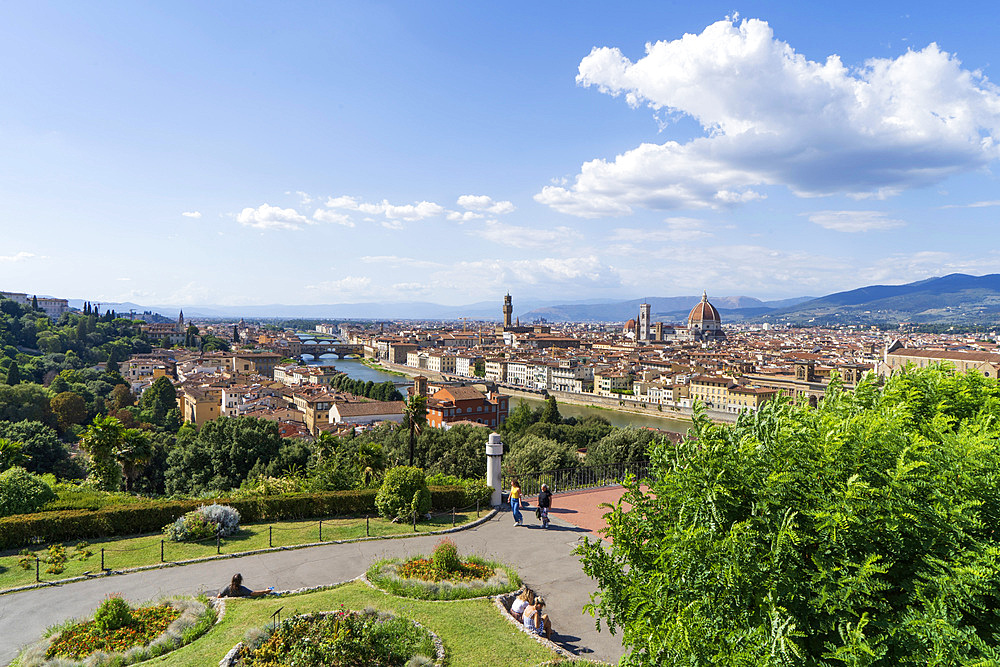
(358, 371)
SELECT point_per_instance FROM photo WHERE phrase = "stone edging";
(547, 643)
(239, 554)
(230, 657)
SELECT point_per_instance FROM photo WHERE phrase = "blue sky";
(249, 153)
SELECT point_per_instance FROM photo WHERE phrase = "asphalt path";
(544, 558)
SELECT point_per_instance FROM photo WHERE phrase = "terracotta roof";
(955, 355)
(370, 408)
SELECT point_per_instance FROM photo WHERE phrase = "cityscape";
(362, 334)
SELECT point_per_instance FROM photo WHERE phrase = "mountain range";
(956, 298)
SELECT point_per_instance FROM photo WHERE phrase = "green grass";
(124, 553)
(473, 631)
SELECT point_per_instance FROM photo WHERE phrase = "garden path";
(543, 557)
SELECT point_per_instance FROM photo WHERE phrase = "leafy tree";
(45, 452)
(134, 452)
(415, 417)
(25, 401)
(858, 533)
(550, 413)
(221, 455)
(534, 454)
(69, 408)
(22, 492)
(102, 441)
(403, 492)
(11, 454)
(623, 445)
(13, 374)
(121, 397)
(519, 419)
(158, 398)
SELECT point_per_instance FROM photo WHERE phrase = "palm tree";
(134, 452)
(415, 414)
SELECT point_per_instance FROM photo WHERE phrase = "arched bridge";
(340, 349)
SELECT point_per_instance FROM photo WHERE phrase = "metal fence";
(562, 480)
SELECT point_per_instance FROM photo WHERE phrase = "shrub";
(56, 559)
(150, 516)
(462, 492)
(22, 492)
(403, 491)
(420, 579)
(113, 613)
(206, 521)
(445, 556)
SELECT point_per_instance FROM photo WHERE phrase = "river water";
(357, 370)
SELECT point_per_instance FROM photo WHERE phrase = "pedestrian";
(515, 502)
(544, 503)
(236, 589)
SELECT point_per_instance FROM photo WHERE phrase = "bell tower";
(508, 311)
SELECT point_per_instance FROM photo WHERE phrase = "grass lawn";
(123, 553)
(473, 631)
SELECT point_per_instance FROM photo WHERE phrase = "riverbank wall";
(623, 404)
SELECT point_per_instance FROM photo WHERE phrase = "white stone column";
(494, 453)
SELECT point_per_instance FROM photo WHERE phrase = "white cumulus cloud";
(394, 214)
(349, 285)
(266, 216)
(191, 214)
(326, 215)
(854, 221)
(485, 204)
(772, 117)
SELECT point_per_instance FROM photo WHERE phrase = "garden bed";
(341, 637)
(122, 635)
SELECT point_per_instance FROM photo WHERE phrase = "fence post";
(414, 521)
(321, 530)
(269, 533)
(218, 545)
(477, 508)
(102, 559)
(161, 552)
(38, 576)
(368, 532)
(452, 517)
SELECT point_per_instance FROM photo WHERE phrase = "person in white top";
(523, 600)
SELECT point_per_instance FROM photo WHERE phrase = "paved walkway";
(544, 559)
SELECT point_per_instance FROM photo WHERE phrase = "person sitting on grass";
(525, 599)
(537, 622)
(236, 589)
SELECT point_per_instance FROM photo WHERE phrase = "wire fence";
(574, 479)
(278, 535)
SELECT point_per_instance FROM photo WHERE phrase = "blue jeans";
(515, 506)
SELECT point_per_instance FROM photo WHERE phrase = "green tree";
(134, 451)
(121, 397)
(404, 491)
(519, 419)
(22, 492)
(102, 441)
(859, 533)
(69, 408)
(623, 445)
(534, 454)
(25, 401)
(45, 452)
(550, 413)
(13, 374)
(11, 454)
(415, 417)
(158, 398)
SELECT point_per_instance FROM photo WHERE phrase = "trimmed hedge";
(151, 516)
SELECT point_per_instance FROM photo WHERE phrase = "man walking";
(544, 503)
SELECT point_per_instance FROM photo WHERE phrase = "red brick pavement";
(582, 508)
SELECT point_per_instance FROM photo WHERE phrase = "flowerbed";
(418, 578)
(139, 634)
(425, 570)
(342, 638)
(86, 638)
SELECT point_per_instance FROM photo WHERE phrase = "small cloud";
(978, 204)
(18, 257)
(854, 221)
(266, 216)
(485, 204)
(191, 214)
(524, 237)
(347, 284)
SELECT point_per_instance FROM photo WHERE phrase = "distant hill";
(956, 299)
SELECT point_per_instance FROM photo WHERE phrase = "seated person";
(537, 622)
(526, 598)
(236, 589)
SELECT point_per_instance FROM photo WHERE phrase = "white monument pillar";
(494, 452)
